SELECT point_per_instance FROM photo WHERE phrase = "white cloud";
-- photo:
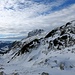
(18, 20)
(56, 18)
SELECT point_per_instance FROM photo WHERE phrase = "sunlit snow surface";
(39, 60)
(17, 18)
(38, 64)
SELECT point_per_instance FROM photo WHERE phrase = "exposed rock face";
(44, 73)
(43, 52)
(35, 32)
(16, 44)
(64, 37)
(62, 65)
(2, 73)
(34, 43)
(56, 39)
(15, 74)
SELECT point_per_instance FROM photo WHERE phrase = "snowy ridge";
(50, 53)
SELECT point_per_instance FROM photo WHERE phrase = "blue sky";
(18, 17)
(66, 4)
(48, 1)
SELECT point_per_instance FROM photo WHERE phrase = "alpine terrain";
(42, 53)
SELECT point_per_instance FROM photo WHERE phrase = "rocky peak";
(35, 32)
(57, 39)
(63, 36)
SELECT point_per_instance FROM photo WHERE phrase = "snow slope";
(50, 53)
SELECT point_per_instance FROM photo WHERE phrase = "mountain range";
(42, 53)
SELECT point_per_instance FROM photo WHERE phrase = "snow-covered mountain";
(50, 53)
(5, 46)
